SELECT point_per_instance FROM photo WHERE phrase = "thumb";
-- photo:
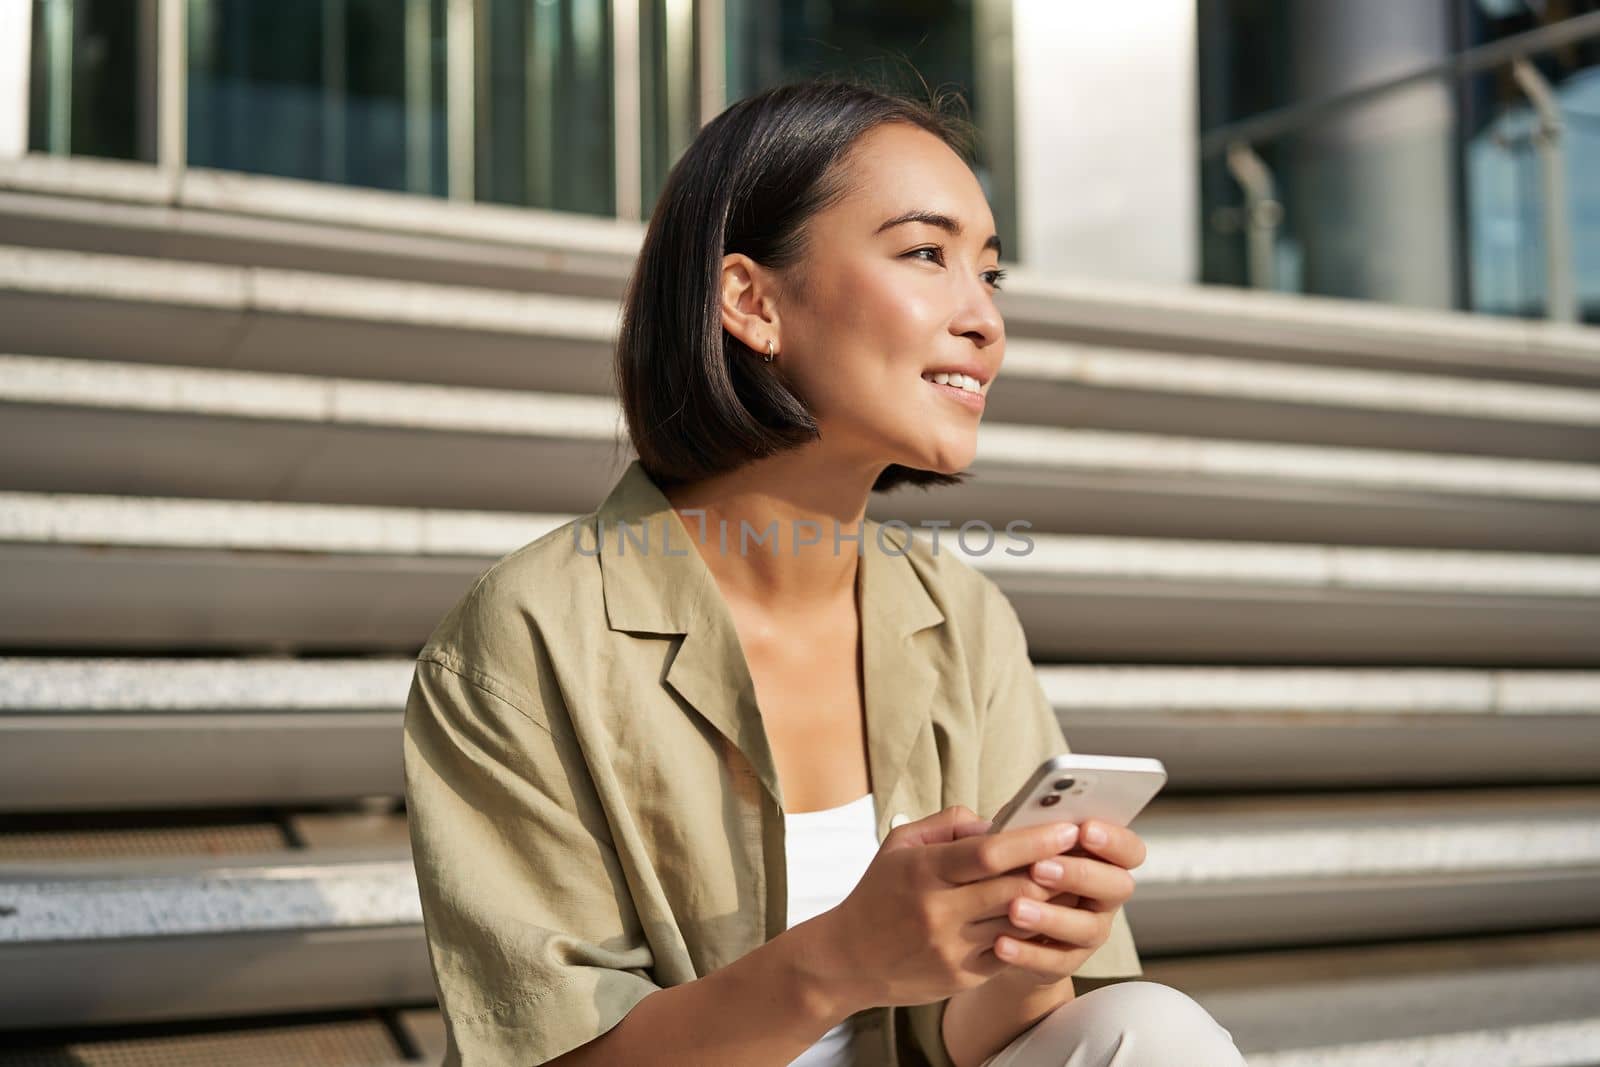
(941, 827)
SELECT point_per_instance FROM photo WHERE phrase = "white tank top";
(828, 851)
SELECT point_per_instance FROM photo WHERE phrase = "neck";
(782, 532)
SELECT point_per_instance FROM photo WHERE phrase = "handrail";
(1561, 296)
(1271, 124)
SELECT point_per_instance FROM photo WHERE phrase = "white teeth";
(960, 381)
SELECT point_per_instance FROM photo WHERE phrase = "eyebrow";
(934, 218)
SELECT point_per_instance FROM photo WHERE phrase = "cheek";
(872, 338)
(877, 332)
(884, 299)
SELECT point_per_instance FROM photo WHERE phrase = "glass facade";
(670, 90)
(92, 76)
(375, 93)
(1505, 262)
(1431, 193)
(351, 90)
(505, 101)
(543, 101)
(917, 47)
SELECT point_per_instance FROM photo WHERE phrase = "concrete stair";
(1337, 565)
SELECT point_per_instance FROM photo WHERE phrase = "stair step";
(69, 303)
(302, 931)
(126, 573)
(256, 219)
(1065, 383)
(328, 1039)
(1255, 728)
(1145, 599)
(1524, 999)
(83, 734)
(136, 835)
(32, 842)
(308, 439)
(1301, 328)
(88, 734)
(1575, 1043)
(167, 311)
(229, 217)
(79, 938)
(1238, 872)
(300, 437)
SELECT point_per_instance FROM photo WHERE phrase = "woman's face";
(886, 305)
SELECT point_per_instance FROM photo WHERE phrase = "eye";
(994, 275)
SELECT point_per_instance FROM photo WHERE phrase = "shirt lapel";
(655, 581)
(899, 665)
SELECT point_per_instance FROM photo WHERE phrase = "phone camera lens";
(1049, 799)
(1064, 783)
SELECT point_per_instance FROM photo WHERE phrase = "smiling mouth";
(954, 380)
(970, 398)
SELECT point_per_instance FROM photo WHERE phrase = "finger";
(992, 897)
(1122, 846)
(935, 829)
(987, 930)
(1106, 883)
(972, 829)
(1044, 959)
(983, 856)
(1073, 927)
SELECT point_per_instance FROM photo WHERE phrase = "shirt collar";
(655, 581)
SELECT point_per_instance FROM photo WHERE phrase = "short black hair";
(696, 400)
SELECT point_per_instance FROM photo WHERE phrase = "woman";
(694, 779)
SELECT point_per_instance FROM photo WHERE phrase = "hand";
(921, 924)
(1076, 920)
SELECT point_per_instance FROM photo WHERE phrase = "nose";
(980, 319)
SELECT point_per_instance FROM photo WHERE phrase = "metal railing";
(1236, 143)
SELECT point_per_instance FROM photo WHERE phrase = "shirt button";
(900, 819)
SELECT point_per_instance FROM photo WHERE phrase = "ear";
(749, 310)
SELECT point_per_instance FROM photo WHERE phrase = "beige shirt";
(594, 808)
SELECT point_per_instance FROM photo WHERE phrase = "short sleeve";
(531, 932)
(1021, 731)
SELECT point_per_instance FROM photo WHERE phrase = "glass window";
(92, 78)
(913, 47)
(1431, 194)
(348, 91)
(669, 88)
(1506, 265)
(544, 95)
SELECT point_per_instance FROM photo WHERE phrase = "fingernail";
(1049, 870)
(1067, 835)
(1027, 911)
(1095, 835)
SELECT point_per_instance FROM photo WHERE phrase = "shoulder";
(500, 632)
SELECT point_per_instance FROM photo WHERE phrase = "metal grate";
(134, 842)
(360, 1042)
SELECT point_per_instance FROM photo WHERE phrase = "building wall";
(1106, 139)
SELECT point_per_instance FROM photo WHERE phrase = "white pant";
(1127, 1024)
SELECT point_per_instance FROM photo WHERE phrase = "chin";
(948, 463)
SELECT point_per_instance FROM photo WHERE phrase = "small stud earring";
(770, 353)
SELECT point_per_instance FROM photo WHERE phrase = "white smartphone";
(1074, 787)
